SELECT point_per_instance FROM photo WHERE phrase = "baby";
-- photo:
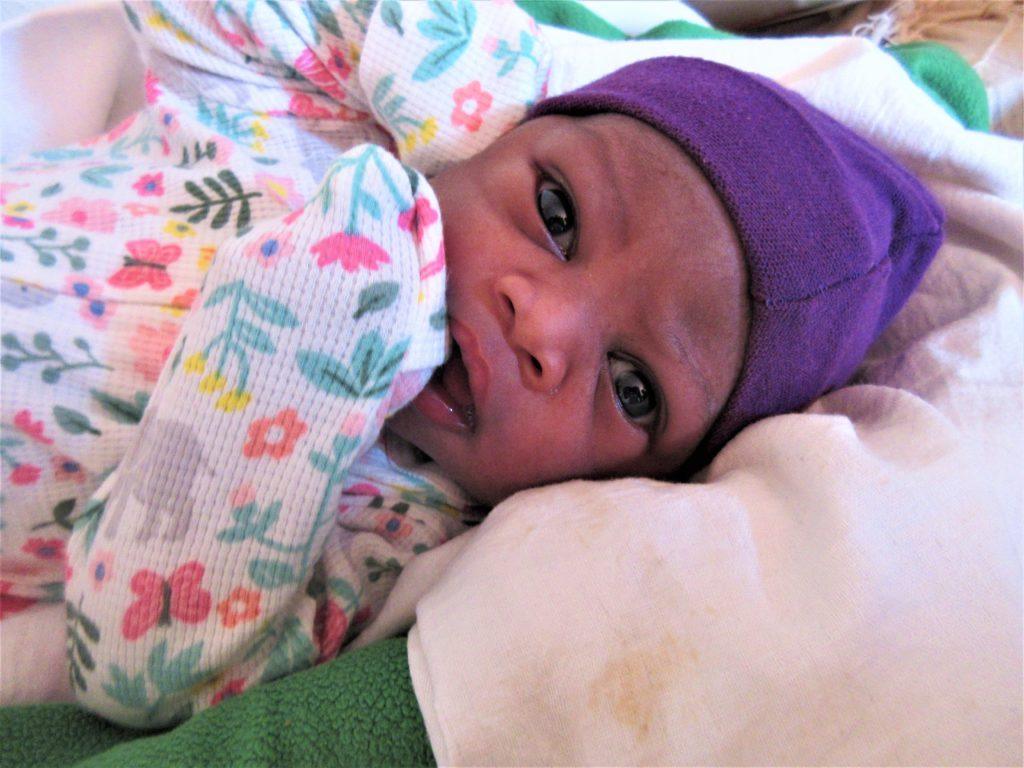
(633, 273)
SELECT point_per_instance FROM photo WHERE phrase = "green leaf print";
(61, 513)
(47, 250)
(438, 320)
(73, 422)
(90, 520)
(271, 574)
(121, 411)
(325, 17)
(19, 355)
(253, 337)
(270, 311)
(80, 628)
(129, 692)
(374, 298)
(241, 337)
(293, 651)
(220, 199)
(179, 672)
(391, 13)
(452, 25)
(368, 375)
(99, 176)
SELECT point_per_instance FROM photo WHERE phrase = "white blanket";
(844, 587)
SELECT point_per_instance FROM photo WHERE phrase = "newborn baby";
(630, 276)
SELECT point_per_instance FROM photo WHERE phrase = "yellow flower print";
(428, 130)
(195, 363)
(178, 229)
(259, 130)
(159, 21)
(206, 257)
(211, 383)
(354, 52)
(233, 401)
(408, 142)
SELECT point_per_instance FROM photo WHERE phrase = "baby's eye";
(635, 394)
(556, 211)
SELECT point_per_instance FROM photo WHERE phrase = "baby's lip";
(473, 360)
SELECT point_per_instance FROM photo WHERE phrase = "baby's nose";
(545, 329)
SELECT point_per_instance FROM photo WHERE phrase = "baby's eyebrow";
(601, 151)
(681, 347)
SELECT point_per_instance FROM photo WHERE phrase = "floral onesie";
(208, 314)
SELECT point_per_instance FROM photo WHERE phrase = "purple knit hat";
(836, 235)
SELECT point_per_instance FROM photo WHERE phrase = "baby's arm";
(308, 332)
(288, 57)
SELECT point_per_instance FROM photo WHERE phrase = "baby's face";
(597, 298)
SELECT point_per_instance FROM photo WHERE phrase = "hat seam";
(773, 303)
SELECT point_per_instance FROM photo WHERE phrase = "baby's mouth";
(447, 400)
(455, 379)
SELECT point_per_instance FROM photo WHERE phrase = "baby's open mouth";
(455, 379)
(447, 400)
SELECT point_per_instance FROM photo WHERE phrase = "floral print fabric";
(170, 291)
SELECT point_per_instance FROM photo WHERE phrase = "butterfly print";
(159, 600)
(147, 263)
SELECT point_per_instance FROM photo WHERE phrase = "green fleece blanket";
(358, 710)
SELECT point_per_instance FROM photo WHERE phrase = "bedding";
(844, 586)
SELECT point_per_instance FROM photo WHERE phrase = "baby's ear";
(448, 77)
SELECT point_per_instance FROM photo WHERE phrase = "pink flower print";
(91, 215)
(336, 63)
(489, 44)
(242, 495)
(66, 468)
(301, 105)
(44, 549)
(25, 474)
(12, 603)
(239, 607)
(7, 186)
(101, 568)
(329, 626)
(14, 215)
(417, 218)
(353, 251)
(120, 129)
(180, 597)
(270, 248)
(281, 189)
(152, 346)
(353, 424)
(325, 76)
(435, 265)
(140, 209)
(362, 489)
(146, 264)
(168, 119)
(233, 688)
(183, 301)
(471, 102)
(31, 429)
(152, 87)
(225, 148)
(150, 185)
(93, 309)
(275, 436)
(392, 527)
